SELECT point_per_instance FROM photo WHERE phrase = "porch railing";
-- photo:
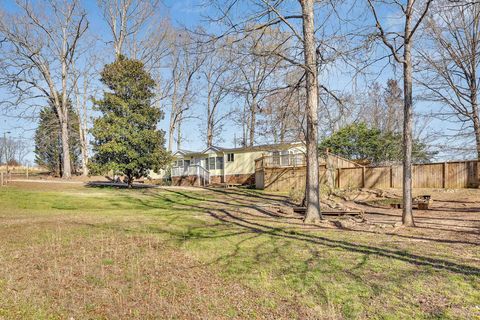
(192, 170)
(284, 160)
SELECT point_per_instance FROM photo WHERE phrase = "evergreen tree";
(359, 142)
(126, 139)
(48, 142)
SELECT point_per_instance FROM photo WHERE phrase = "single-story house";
(216, 165)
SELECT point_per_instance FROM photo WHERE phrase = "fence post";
(338, 178)
(444, 175)
(478, 174)
(27, 171)
(363, 177)
(392, 179)
(1, 179)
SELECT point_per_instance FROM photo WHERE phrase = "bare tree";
(393, 115)
(125, 19)
(373, 113)
(382, 107)
(311, 75)
(13, 150)
(84, 90)
(256, 68)
(282, 113)
(217, 73)
(451, 62)
(309, 46)
(184, 65)
(40, 46)
(412, 14)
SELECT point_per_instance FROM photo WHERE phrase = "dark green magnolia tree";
(126, 139)
(359, 142)
(48, 140)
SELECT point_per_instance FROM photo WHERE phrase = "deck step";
(330, 213)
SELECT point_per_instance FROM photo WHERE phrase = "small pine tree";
(126, 138)
(48, 142)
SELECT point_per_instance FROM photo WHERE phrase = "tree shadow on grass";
(226, 216)
(440, 264)
(243, 193)
(118, 185)
(258, 225)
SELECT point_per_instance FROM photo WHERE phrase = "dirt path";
(452, 218)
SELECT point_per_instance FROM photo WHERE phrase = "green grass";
(109, 240)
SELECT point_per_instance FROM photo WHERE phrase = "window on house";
(186, 163)
(180, 163)
(230, 157)
(219, 163)
(211, 163)
(285, 158)
(276, 157)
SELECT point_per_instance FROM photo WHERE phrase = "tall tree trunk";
(210, 119)
(244, 126)
(84, 151)
(83, 128)
(63, 111)
(209, 135)
(313, 213)
(407, 216)
(476, 128)
(170, 138)
(173, 113)
(253, 119)
(179, 135)
(172, 125)
(474, 100)
(67, 169)
(59, 167)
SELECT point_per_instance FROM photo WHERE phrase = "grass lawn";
(68, 251)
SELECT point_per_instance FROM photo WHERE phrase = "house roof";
(266, 147)
(183, 152)
(213, 148)
(263, 147)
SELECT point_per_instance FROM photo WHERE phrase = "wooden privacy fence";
(454, 175)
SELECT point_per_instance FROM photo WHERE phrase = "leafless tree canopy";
(13, 151)
(125, 19)
(39, 47)
(450, 64)
(275, 71)
(399, 45)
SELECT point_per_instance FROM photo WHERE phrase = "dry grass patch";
(219, 254)
(76, 271)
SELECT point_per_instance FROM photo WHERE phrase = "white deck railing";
(283, 160)
(192, 170)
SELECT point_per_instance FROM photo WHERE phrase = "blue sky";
(182, 13)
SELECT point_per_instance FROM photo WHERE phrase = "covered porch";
(198, 170)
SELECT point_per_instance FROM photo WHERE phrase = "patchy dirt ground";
(94, 252)
(453, 215)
